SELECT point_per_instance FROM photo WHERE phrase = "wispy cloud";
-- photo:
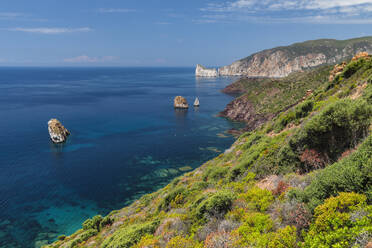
(114, 10)
(44, 30)
(10, 15)
(314, 11)
(162, 23)
(88, 59)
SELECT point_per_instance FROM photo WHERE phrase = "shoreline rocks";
(57, 132)
(180, 103)
(202, 71)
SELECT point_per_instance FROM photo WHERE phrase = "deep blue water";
(126, 140)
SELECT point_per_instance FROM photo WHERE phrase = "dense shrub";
(353, 67)
(83, 237)
(148, 241)
(300, 111)
(351, 174)
(283, 238)
(216, 205)
(334, 224)
(106, 221)
(127, 236)
(258, 199)
(338, 127)
(214, 173)
(312, 160)
(295, 214)
(179, 191)
(254, 232)
(218, 240)
(93, 223)
(181, 242)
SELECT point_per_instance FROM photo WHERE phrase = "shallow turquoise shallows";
(126, 140)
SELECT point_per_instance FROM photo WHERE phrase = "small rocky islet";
(57, 132)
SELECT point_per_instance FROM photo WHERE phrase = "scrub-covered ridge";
(301, 179)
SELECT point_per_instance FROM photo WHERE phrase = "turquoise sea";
(126, 140)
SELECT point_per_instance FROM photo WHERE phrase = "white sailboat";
(196, 102)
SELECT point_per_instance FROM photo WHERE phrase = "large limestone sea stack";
(180, 103)
(58, 133)
(201, 71)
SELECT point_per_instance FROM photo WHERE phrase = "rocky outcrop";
(360, 55)
(282, 61)
(201, 71)
(337, 69)
(58, 133)
(180, 102)
(241, 109)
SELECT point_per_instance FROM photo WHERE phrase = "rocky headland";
(281, 61)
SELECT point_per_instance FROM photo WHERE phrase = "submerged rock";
(180, 102)
(201, 71)
(58, 133)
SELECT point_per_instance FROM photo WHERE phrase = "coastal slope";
(282, 61)
(301, 179)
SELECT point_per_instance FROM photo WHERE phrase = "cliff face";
(281, 61)
(201, 71)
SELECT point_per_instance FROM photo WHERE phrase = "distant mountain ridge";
(282, 61)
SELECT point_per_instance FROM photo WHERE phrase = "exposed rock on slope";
(263, 98)
(180, 102)
(281, 61)
(58, 133)
(201, 71)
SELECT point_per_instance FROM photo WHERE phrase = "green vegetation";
(302, 179)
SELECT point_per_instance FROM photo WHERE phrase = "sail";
(196, 103)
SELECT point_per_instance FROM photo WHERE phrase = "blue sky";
(167, 32)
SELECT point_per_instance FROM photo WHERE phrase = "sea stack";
(58, 133)
(180, 103)
(201, 71)
(196, 102)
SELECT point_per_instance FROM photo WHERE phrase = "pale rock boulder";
(201, 71)
(58, 133)
(180, 102)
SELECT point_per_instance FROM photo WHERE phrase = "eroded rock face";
(201, 71)
(337, 69)
(180, 102)
(243, 110)
(282, 61)
(277, 64)
(58, 133)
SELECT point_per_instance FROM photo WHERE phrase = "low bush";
(127, 236)
(258, 199)
(254, 232)
(335, 225)
(283, 238)
(351, 174)
(217, 205)
(338, 127)
(300, 111)
(93, 223)
(181, 242)
(179, 191)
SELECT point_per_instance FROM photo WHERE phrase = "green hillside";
(330, 47)
(302, 179)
